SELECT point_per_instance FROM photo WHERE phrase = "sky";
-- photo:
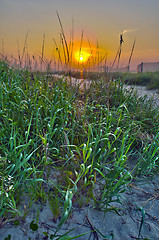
(102, 22)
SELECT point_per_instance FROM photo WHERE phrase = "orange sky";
(101, 21)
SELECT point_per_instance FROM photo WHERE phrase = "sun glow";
(82, 56)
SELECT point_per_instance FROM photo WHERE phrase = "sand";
(143, 194)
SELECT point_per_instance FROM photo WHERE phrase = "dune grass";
(57, 142)
(148, 79)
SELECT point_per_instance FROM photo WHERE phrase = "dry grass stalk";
(42, 51)
(24, 48)
(63, 34)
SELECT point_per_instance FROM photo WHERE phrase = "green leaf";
(88, 155)
(16, 222)
(84, 150)
(8, 238)
(33, 226)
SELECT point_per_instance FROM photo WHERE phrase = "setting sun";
(82, 56)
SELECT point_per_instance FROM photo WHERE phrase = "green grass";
(148, 79)
(100, 138)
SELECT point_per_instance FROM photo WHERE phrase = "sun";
(82, 56)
